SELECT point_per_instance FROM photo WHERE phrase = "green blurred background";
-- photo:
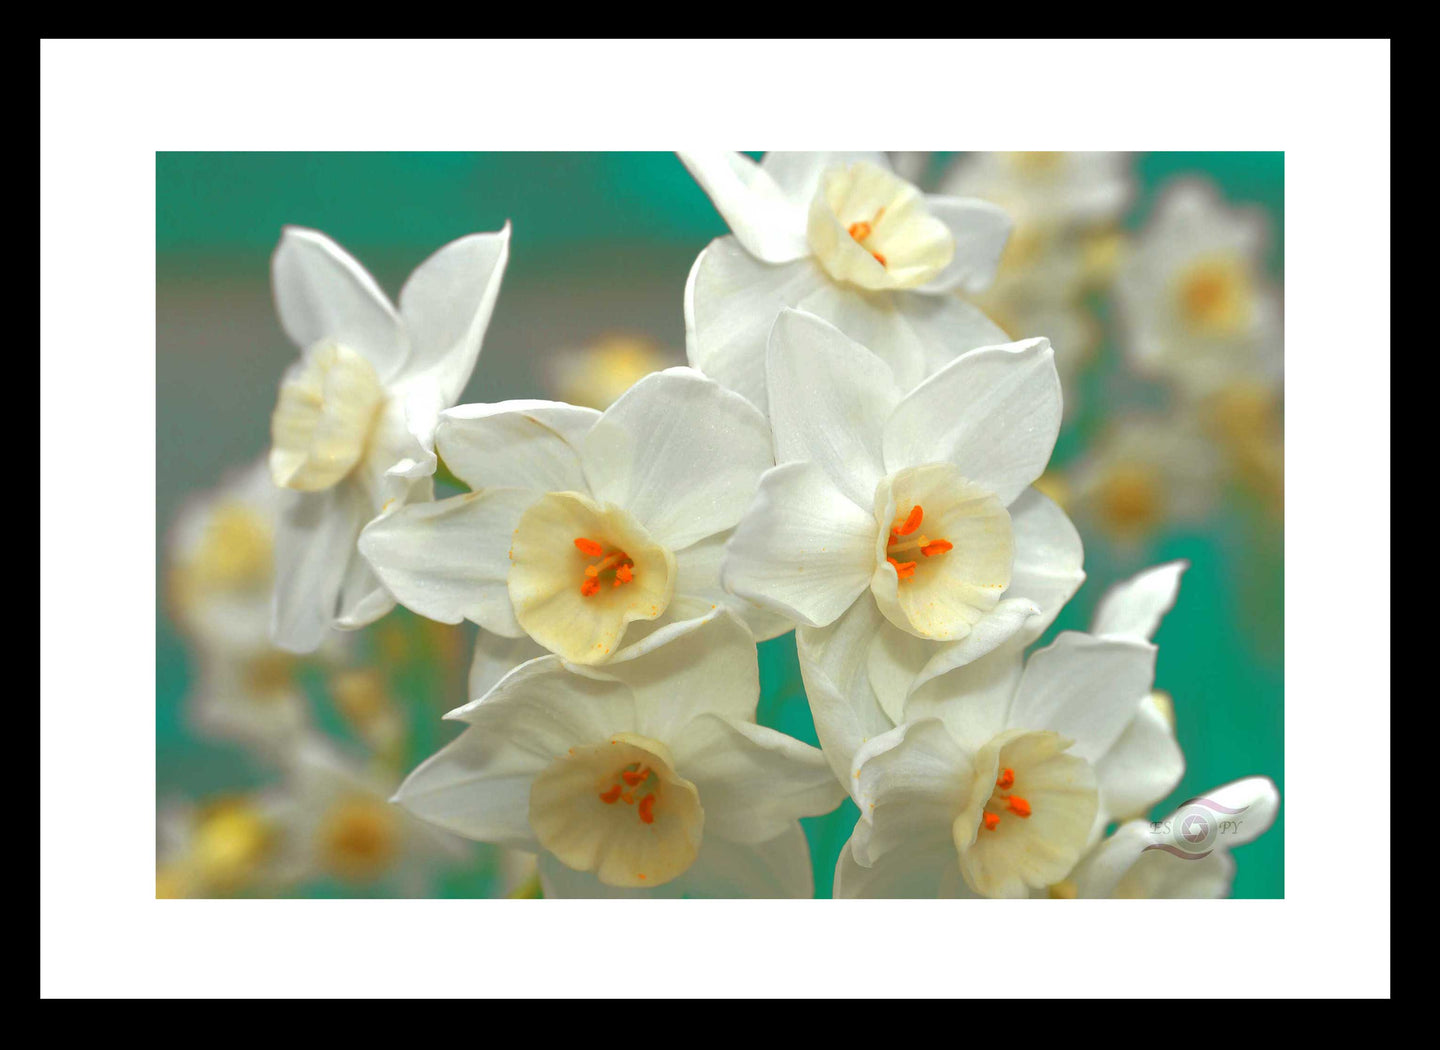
(602, 244)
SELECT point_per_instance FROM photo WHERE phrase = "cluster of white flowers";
(850, 454)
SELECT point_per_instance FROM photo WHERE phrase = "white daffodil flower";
(1002, 775)
(645, 776)
(338, 822)
(904, 522)
(838, 235)
(1141, 859)
(1145, 473)
(352, 431)
(596, 375)
(1047, 192)
(220, 582)
(1196, 306)
(582, 524)
(226, 847)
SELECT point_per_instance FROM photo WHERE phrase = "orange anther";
(879, 258)
(992, 821)
(624, 574)
(647, 809)
(917, 515)
(903, 569)
(590, 586)
(859, 230)
(1006, 778)
(937, 547)
(589, 548)
(610, 796)
(633, 776)
(1018, 806)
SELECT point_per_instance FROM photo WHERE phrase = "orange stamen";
(992, 821)
(610, 796)
(917, 515)
(937, 547)
(624, 574)
(589, 548)
(634, 776)
(647, 809)
(903, 569)
(1006, 778)
(1018, 806)
(879, 258)
(590, 586)
(859, 230)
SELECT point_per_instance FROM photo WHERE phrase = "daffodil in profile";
(903, 522)
(1000, 776)
(645, 776)
(585, 531)
(352, 431)
(841, 236)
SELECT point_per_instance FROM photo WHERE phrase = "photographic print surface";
(768, 525)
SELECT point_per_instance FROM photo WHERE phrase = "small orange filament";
(1014, 803)
(616, 561)
(899, 543)
(861, 231)
(646, 785)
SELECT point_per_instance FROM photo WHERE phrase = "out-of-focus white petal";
(1084, 688)
(516, 444)
(446, 306)
(1048, 558)
(314, 545)
(449, 560)
(1135, 607)
(803, 549)
(830, 398)
(754, 782)
(993, 413)
(680, 453)
(731, 299)
(322, 293)
(769, 225)
(980, 230)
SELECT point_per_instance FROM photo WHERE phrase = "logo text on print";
(1196, 828)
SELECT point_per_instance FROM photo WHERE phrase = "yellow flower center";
(1214, 294)
(359, 837)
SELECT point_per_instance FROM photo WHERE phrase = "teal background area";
(604, 241)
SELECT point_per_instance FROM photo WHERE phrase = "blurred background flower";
(1157, 277)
